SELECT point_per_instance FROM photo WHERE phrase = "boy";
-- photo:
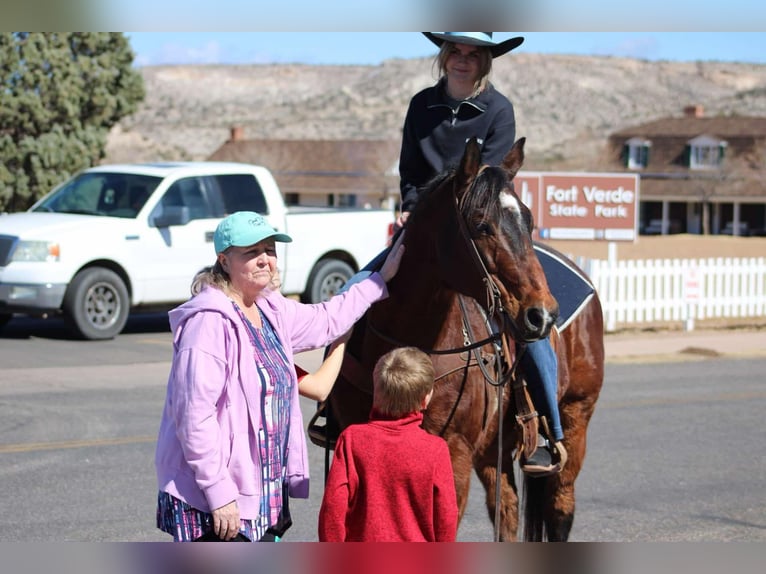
(390, 480)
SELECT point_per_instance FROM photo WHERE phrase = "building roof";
(724, 127)
(320, 166)
(667, 174)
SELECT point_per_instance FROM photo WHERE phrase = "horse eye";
(483, 228)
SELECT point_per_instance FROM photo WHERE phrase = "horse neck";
(418, 305)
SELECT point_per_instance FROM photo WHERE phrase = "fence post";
(611, 281)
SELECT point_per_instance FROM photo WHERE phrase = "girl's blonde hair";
(215, 276)
(485, 64)
(401, 380)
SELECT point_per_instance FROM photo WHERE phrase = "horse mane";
(484, 197)
(429, 189)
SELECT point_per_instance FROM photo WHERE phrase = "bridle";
(498, 322)
(496, 316)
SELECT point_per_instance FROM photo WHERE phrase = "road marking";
(35, 446)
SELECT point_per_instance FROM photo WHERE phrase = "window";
(240, 192)
(706, 152)
(101, 193)
(187, 192)
(637, 153)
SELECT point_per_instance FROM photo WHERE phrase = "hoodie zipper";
(454, 111)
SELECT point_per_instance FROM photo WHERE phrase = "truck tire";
(326, 279)
(96, 304)
(4, 318)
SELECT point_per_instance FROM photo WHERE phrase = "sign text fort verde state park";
(581, 205)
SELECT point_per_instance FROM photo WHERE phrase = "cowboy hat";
(475, 39)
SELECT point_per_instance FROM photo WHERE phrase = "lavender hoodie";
(207, 452)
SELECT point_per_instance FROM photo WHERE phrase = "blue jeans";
(541, 371)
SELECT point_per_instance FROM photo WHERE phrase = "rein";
(452, 351)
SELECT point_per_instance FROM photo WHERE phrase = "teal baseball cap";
(245, 228)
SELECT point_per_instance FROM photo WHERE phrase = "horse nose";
(538, 322)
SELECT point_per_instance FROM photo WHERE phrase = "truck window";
(186, 192)
(111, 194)
(240, 192)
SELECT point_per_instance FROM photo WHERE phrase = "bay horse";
(469, 279)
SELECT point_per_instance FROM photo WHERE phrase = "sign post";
(691, 295)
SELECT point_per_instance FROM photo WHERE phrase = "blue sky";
(153, 48)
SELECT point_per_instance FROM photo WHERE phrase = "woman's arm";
(309, 326)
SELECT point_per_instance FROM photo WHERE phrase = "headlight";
(36, 251)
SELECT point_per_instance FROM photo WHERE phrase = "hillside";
(566, 106)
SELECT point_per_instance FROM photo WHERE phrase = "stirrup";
(546, 459)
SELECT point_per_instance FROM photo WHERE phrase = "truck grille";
(7, 245)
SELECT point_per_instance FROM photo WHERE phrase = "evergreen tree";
(60, 93)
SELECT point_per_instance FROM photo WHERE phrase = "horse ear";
(514, 158)
(470, 164)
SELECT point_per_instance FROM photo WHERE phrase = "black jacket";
(435, 134)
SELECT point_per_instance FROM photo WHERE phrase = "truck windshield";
(104, 194)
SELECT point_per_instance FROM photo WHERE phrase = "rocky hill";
(566, 106)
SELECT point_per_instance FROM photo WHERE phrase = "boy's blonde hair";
(401, 380)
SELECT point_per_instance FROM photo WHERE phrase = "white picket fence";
(662, 290)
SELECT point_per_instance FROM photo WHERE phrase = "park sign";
(599, 206)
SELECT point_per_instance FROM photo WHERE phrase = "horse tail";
(533, 504)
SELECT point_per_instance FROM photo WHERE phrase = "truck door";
(176, 251)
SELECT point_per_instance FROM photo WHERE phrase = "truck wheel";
(4, 318)
(326, 279)
(96, 304)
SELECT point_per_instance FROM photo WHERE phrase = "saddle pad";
(571, 288)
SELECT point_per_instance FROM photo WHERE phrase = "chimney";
(694, 111)
(237, 134)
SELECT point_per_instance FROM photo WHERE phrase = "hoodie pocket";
(242, 464)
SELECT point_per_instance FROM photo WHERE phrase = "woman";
(231, 446)
(439, 121)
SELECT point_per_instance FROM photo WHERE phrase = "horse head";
(483, 246)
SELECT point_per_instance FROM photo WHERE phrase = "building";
(699, 175)
(361, 173)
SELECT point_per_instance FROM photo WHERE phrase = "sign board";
(599, 206)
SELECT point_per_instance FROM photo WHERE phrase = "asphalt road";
(677, 451)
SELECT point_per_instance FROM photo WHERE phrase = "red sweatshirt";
(390, 481)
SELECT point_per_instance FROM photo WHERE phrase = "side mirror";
(171, 215)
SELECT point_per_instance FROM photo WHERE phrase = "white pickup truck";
(116, 239)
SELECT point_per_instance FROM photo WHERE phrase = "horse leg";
(560, 507)
(549, 502)
(461, 455)
(486, 469)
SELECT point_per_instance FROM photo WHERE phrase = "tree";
(60, 93)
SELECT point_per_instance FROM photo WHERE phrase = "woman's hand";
(391, 264)
(226, 521)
